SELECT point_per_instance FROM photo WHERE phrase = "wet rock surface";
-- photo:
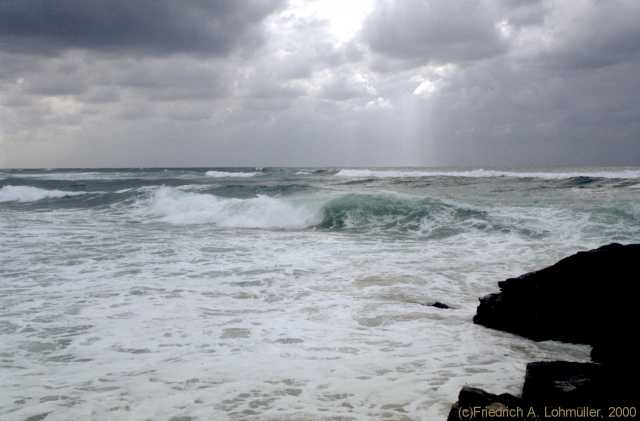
(591, 298)
(474, 403)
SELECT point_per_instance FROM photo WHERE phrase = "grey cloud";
(14, 65)
(170, 78)
(593, 34)
(143, 26)
(343, 88)
(437, 31)
(558, 85)
(188, 111)
(57, 84)
(305, 48)
(501, 112)
(268, 88)
(523, 13)
(101, 95)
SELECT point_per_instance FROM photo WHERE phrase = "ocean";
(279, 293)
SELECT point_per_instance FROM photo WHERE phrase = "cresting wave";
(32, 194)
(224, 174)
(329, 211)
(179, 207)
(481, 173)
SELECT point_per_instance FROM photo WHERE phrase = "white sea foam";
(180, 208)
(196, 187)
(142, 189)
(482, 173)
(151, 321)
(224, 174)
(31, 194)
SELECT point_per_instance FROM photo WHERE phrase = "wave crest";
(225, 174)
(350, 212)
(180, 207)
(389, 212)
(32, 194)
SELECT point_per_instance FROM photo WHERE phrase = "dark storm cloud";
(170, 78)
(147, 26)
(571, 34)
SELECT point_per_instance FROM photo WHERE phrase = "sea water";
(279, 293)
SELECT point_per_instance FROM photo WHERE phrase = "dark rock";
(589, 297)
(564, 383)
(550, 385)
(572, 384)
(438, 304)
(472, 401)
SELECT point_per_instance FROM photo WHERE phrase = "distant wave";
(222, 174)
(100, 175)
(31, 194)
(74, 175)
(481, 173)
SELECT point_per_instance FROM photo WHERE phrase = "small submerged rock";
(37, 417)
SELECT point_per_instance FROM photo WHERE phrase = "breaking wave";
(32, 194)
(180, 207)
(363, 211)
(346, 212)
(481, 173)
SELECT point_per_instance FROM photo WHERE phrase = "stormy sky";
(319, 82)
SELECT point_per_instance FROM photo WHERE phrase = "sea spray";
(179, 207)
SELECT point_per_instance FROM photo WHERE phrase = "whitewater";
(279, 293)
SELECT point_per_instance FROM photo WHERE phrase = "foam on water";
(160, 305)
(481, 173)
(31, 194)
(225, 174)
